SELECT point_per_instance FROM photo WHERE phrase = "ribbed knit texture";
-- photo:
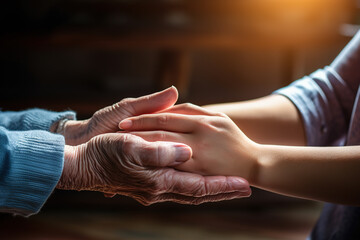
(33, 119)
(31, 163)
(31, 159)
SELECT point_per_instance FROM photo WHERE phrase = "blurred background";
(87, 54)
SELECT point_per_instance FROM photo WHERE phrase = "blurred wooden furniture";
(175, 28)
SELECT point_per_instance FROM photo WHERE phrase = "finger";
(163, 121)
(155, 136)
(155, 154)
(150, 103)
(178, 198)
(148, 199)
(190, 184)
(189, 109)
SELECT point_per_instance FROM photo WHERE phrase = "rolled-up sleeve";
(325, 99)
(31, 164)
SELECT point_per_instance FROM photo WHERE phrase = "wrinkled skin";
(106, 120)
(128, 165)
(98, 159)
(218, 144)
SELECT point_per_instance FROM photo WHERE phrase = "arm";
(312, 111)
(329, 174)
(324, 101)
(219, 147)
(269, 120)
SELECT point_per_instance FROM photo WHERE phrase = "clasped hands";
(164, 153)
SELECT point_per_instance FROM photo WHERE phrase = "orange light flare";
(302, 21)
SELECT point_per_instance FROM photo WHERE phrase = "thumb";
(150, 103)
(163, 154)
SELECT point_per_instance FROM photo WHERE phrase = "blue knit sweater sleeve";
(33, 119)
(31, 164)
(31, 159)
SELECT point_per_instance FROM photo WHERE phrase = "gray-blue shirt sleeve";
(325, 99)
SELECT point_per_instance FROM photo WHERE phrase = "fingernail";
(124, 124)
(182, 153)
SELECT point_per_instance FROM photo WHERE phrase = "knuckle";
(220, 114)
(126, 104)
(154, 155)
(126, 101)
(114, 106)
(204, 121)
(127, 144)
(187, 105)
(162, 120)
(161, 135)
(217, 123)
(144, 98)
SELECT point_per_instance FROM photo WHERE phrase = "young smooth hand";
(118, 163)
(219, 147)
(106, 120)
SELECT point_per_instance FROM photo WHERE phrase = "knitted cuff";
(38, 119)
(35, 168)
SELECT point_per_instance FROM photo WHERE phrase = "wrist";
(266, 159)
(75, 132)
(256, 155)
(248, 155)
(71, 178)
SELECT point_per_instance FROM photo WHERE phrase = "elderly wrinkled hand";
(97, 158)
(106, 120)
(125, 164)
